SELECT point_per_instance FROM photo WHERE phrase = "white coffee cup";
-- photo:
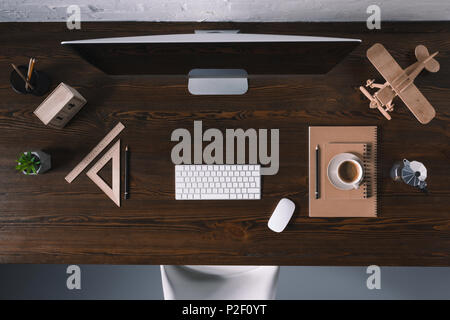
(350, 172)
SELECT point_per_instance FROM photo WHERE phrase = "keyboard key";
(207, 196)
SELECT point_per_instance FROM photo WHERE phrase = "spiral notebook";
(361, 141)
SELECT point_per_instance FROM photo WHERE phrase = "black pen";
(317, 173)
(127, 178)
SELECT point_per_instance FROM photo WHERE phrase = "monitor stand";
(218, 81)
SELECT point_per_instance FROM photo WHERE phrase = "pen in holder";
(39, 81)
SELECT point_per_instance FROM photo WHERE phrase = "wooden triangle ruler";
(114, 154)
(95, 152)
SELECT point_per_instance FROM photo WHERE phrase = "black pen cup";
(39, 80)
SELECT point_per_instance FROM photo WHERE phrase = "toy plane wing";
(418, 104)
(384, 62)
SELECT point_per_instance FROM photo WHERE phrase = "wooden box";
(60, 106)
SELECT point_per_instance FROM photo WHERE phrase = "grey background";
(223, 10)
(144, 282)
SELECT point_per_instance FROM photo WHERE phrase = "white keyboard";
(217, 182)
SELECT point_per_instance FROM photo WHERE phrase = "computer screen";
(177, 54)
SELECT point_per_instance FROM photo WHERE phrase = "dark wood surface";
(44, 219)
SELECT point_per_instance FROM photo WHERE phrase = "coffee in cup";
(349, 171)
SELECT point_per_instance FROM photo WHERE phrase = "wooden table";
(44, 219)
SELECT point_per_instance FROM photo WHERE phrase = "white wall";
(224, 10)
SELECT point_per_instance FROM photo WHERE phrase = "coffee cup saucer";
(332, 170)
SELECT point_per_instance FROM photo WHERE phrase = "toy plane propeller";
(400, 82)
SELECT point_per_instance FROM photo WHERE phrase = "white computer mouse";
(281, 215)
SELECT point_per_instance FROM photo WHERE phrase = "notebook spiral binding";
(370, 162)
(376, 165)
(368, 179)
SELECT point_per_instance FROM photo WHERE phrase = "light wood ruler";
(95, 152)
(114, 191)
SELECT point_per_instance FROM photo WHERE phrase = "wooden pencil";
(30, 71)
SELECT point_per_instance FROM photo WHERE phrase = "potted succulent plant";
(33, 162)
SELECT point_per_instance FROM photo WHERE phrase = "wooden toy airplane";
(400, 82)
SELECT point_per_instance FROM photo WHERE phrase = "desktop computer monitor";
(217, 62)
